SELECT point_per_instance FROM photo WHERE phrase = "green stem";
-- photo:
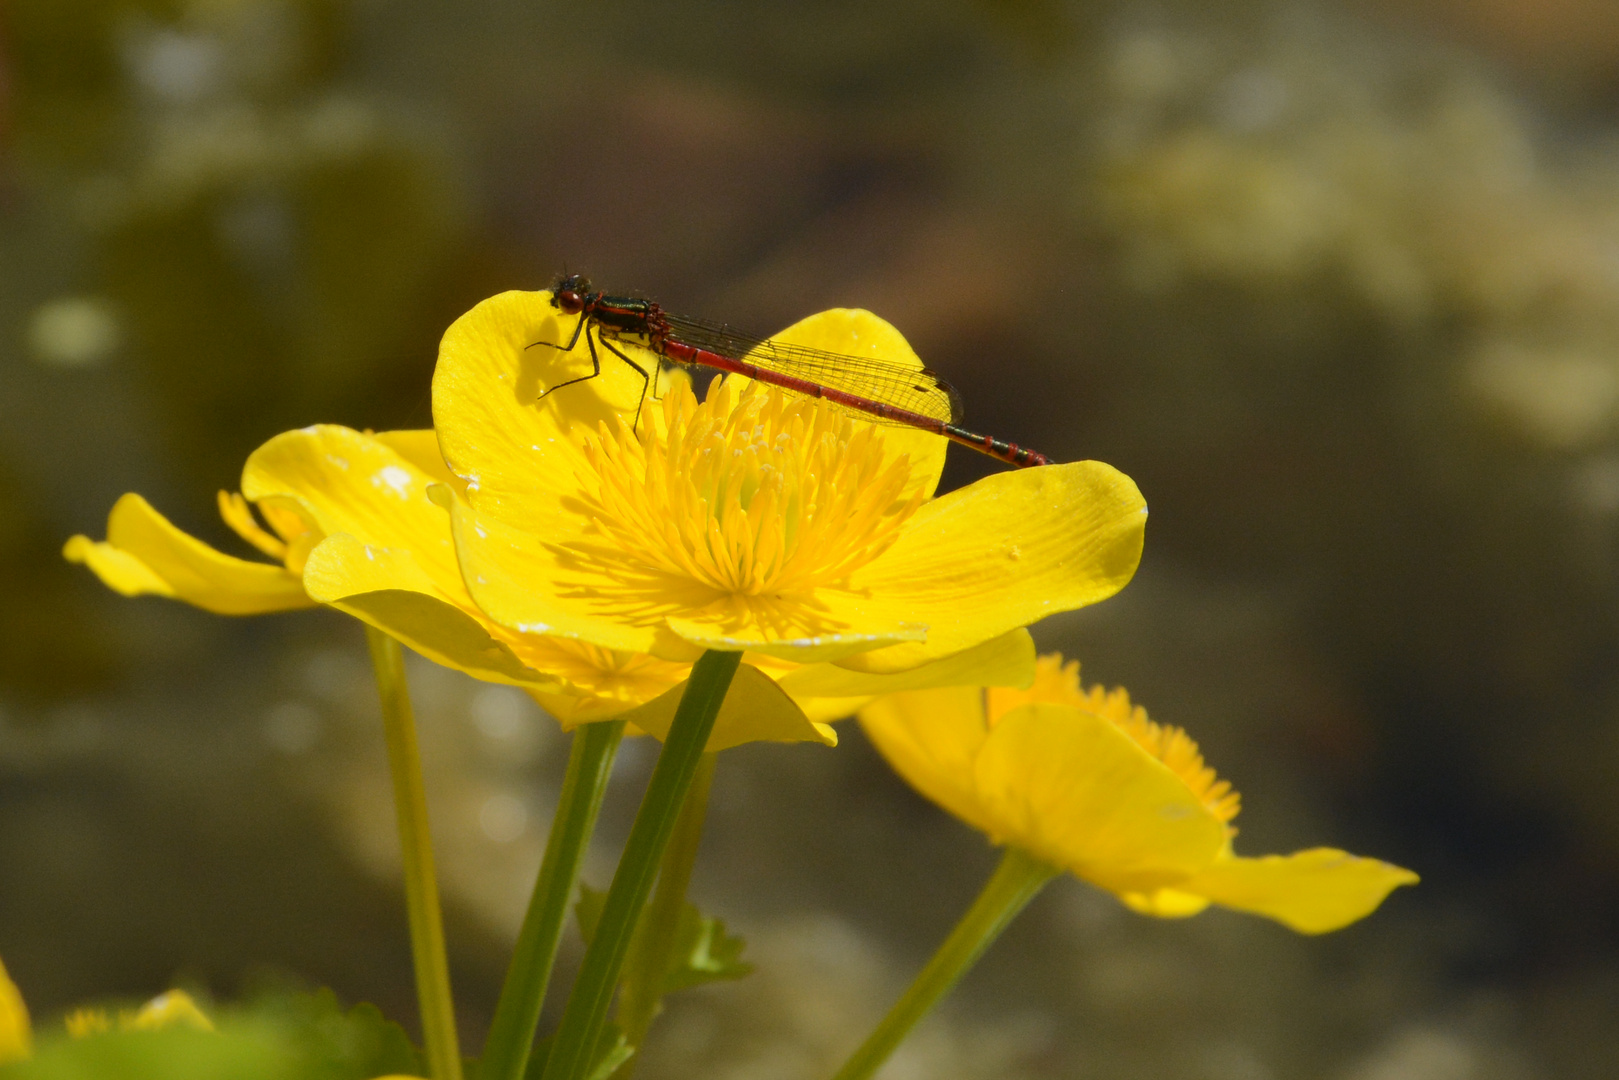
(511, 1033)
(1015, 882)
(655, 940)
(585, 1017)
(416, 848)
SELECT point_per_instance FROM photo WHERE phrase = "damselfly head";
(569, 293)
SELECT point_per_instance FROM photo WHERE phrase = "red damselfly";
(880, 391)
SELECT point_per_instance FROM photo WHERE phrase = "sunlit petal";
(1310, 891)
(1165, 903)
(933, 738)
(1008, 660)
(145, 554)
(1002, 553)
(1074, 790)
(348, 482)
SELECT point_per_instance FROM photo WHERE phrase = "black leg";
(578, 326)
(646, 381)
(595, 364)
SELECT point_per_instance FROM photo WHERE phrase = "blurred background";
(1337, 283)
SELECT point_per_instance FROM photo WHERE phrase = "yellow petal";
(853, 332)
(492, 425)
(1001, 553)
(1310, 891)
(932, 738)
(825, 710)
(145, 554)
(755, 710)
(1008, 660)
(16, 1034)
(442, 633)
(1074, 790)
(816, 649)
(571, 710)
(420, 448)
(506, 570)
(118, 569)
(1165, 903)
(389, 560)
(348, 482)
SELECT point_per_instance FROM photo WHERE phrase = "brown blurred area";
(1338, 284)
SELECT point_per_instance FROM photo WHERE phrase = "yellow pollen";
(744, 504)
(1058, 683)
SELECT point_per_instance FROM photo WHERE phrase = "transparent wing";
(916, 390)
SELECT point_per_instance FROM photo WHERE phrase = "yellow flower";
(172, 1009)
(16, 1034)
(1083, 780)
(750, 521)
(348, 517)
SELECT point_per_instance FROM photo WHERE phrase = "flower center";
(747, 502)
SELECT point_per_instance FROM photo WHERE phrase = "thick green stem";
(648, 962)
(1015, 882)
(416, 848)
(511, 1033)
(586, 1015)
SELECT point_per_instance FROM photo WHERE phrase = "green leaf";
(280, 1035)
(612, 1051)
(242, 1052)
(334, 1044)
(589, 911)
(703, 953)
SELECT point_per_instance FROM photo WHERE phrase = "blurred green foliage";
(281, 1036)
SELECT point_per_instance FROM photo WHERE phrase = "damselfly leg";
(596, 364)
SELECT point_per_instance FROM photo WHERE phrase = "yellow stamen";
(741, 506)
(1170, 745)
